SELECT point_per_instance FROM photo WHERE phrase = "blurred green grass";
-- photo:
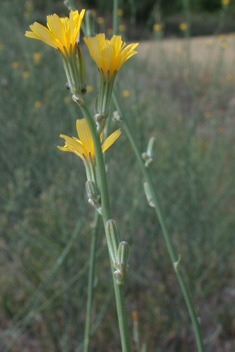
(46, 222)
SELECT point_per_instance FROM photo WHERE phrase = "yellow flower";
(126, 93)
(84, 147)
(61, 34)
(208, 114)
(183, 26)
(15, 64)
(89, 89)
(109, 55)
(100, 20)
(157, 27)
(121, 27)
(36, 57)
(67, 99)
(120, 12)
(225, 2)
(135, 316)
(209, 42)
(37, 104)
(224, 44)
(25, 74)
(110, 31)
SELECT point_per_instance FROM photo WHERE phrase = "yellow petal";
(73, 145)
(41, 33)
(85, 137)
(110, 140)
(56, 27)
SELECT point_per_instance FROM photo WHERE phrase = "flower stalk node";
(119, 251)
(176, 264)
(77, 99)
(148, 195)
(100, 122)
(122, 262)
(148, 156)
(93, 195)
(116, 117)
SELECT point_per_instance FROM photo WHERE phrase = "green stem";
(87, 333)
(115, 16)
(169, 244)
(106, 214)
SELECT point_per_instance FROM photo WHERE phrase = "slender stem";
(115, 17)
(106, 214)
(87, 333)
(169, 244)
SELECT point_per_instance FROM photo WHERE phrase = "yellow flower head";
(36, 57)
(84, 147)
(109, 55)
(157, 27)
(61, 34)
(225, 2)
(183, 26)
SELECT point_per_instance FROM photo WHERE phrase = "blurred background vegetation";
(45, 221)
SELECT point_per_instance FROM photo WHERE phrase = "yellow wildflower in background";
(89, 89)
(209, 42)
(135, 316)
(36, 57)
(225, 2)
(61, 34)
(15, 64)
(120, 12)
(100, 20)
(25, 74)
(37, 104)
(110, 31)
(208, 114)
(67, 99)
(126, 93)
(179, 117)
(229, 77)
(84, 146)
(109, 55)
(224, 44)
(178, 51)
(157, 27)
(121, 27)
(29, 5)
(183, 26)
